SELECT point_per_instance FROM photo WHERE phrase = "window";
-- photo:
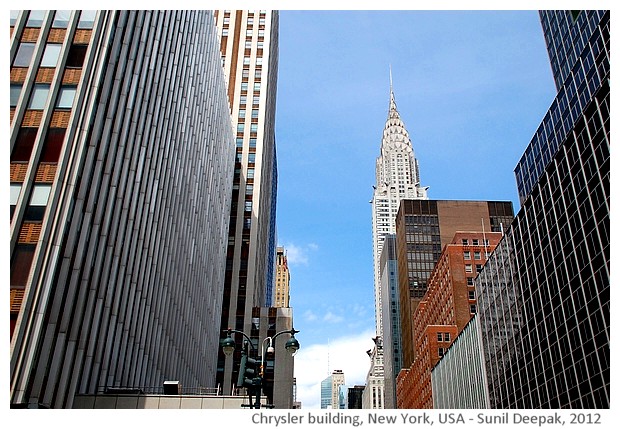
(467, 256)
(39, 96)
(24, 144)
(224, 32)
(244, 86)
(254, 113)
(243, 100)
(253, 142)
(257, 86)
(465, 241)
(258, 73)
(240, 127)
(14, 15)
(61, 19)
(256, 99)
(16, 90)
(253, 128)
(35, 18)
(474, 241)
(246, 60)
(472, 308)
(242, 113)
(477, 255)
(66, 95)
(87, 19)
(249, 189)
(16, 188)
(248, 206)
(252, 158)
(478, 268)
(439, 336)
(472, 294)
(51, 55)
(470, 281)
(53, 144)
(24, 55)
(468, 268)
(76, 56)
(239, 141)
(250, 173)
(21, 263)
(446, 336)
(441, 351)
(38, 202)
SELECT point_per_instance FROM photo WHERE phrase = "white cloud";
(310, 316)
(333, 318)
(298, 255)
(315, 362)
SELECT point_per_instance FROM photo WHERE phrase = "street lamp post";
(250, 376)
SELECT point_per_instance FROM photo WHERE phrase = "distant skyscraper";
(283, 279)
(122, 157)
(392, 349)
(330, 391)
(354, 397)
(249, 54)
(397, 177)
(545, 310)
(373, 396)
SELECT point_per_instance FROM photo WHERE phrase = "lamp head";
(228, 346)
(292, 345)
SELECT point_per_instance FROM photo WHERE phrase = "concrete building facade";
(122, 157)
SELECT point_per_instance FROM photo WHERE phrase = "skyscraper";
(283, 279)
(423, 228)
(122, 155)
(447, 306)
(330, 390)
(397, 177)
(545, 311)
(249, 54)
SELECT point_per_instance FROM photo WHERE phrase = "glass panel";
(53, 144)
(65, 97)
(23, 144)
(51, 55)
(20, 264)
(16, 188)
(76, 56)
(16, 90)
(61, 19)
(24, 55)
(39, 96)
(35, 18)
(40, 195)
(87, 19)
(14, 15)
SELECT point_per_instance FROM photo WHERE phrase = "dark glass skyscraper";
(545, 310)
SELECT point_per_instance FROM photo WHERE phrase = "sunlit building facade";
(283, 279)
(249, 56)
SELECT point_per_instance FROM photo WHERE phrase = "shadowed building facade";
(122, 157)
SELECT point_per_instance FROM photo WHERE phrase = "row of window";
(40, 94)
(474, 242)
(61, 18)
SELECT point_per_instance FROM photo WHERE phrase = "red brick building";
(447, 306)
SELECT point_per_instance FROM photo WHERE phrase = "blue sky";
(471, 88)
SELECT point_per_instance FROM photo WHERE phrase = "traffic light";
(248, 372)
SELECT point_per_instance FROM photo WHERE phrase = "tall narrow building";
(249, 54)
(283, 280)
(397, 178)
(122, 157)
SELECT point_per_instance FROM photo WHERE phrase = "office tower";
(122, 156)
(392, 352)
(354, 397)
(459, 379)
(330, 392)
(423, 228)
(397, 177)
(249, 54)
(545, 310)
(278, 381)
(283, 279)
(447, 306)
(373, 396)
